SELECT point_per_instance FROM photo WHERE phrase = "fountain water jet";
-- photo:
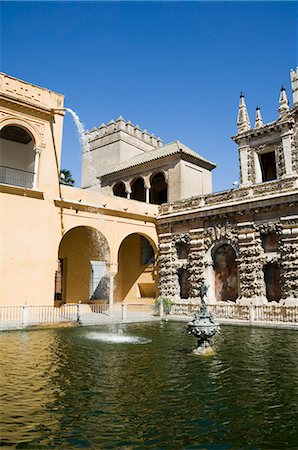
(84, 143)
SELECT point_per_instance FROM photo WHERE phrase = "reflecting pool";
(136, 387)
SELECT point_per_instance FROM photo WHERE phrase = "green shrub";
(167, 304)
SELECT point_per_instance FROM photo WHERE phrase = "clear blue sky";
(174, 68)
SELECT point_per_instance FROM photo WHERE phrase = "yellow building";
(59, 242)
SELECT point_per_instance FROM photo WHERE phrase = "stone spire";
(259, 120)
(283, 103)
(243, 119)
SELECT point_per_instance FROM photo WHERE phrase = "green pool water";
(136, 387)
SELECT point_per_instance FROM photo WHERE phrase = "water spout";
(85, 147)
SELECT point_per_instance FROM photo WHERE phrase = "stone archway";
(84, 257)
(18, 156)
(136, 277)
(159, 189)
(138, 191)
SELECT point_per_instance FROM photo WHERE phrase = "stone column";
(168, 278)
(257, 165)
(289, 261)
(38, 151)
(196, 261)
(147, 186)
(250, 266)
(244, 151)
(287, 152)
(147, 194)
(111, 292)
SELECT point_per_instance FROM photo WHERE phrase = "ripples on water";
(70, 388)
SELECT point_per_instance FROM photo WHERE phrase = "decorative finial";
(259, 120)
(283, 103)
(243, 118)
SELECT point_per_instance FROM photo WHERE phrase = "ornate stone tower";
(268, 152)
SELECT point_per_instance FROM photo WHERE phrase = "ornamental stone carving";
(219, 232)
(196, 262)
(250, 265)
(168, 278)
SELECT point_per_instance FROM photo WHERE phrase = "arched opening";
(272, 282)
(136, 277)
(17, 156)
(138, 191)
(119, 190)
(225, 273)
(83, 262)
(184, 283)
(159, 189)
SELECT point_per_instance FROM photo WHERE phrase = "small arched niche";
(184, 283)
(17, 156)
(225, 273)
(272, 281)
(159, 189)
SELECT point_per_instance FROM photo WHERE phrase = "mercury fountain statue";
(203, 326)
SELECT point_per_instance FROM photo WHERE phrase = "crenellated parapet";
(127, 127)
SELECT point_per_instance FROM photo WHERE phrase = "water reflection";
(63, 390)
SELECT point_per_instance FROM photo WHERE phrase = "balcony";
(16, 177)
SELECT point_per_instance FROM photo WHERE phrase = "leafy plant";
(167, 304)
(66, 178)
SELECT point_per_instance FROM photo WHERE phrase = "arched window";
(138, 191)
(17, 156)
(119, 189)
(159, 189)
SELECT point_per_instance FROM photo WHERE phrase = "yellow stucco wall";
(34, 221)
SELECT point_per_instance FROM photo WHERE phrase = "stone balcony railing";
(230, 196)
(270, 313)
(16, 177)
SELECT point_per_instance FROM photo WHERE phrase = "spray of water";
(85, 146)
(115, 338)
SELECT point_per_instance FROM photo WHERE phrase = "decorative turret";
(243, 118)
(294, 82)
(283, 103)
(259, 120)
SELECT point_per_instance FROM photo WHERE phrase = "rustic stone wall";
(289, 260)
(168, 277)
